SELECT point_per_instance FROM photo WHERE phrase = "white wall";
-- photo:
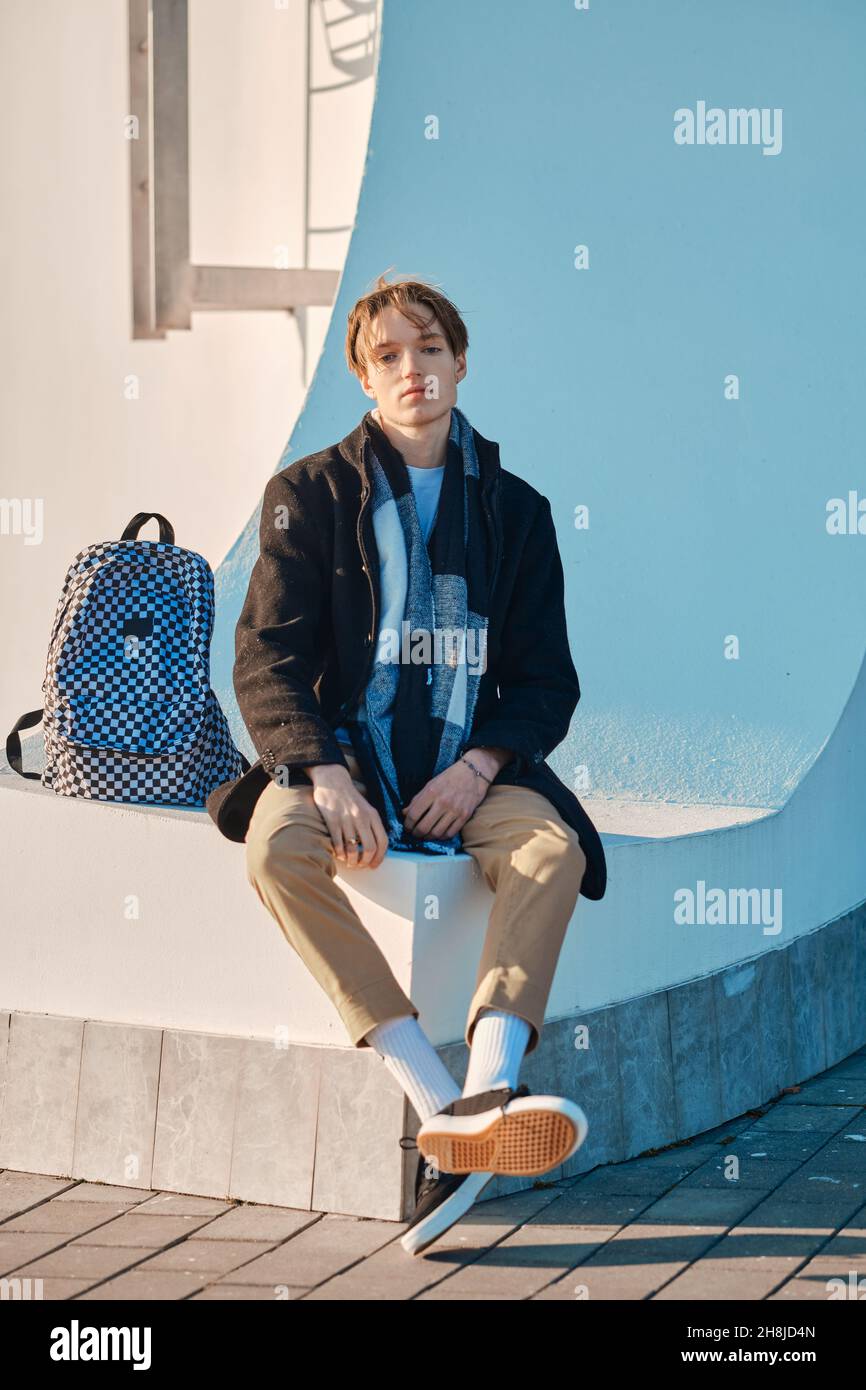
(216, 404)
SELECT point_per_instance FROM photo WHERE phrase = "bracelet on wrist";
(477, 771)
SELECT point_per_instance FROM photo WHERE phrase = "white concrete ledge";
(145, 915)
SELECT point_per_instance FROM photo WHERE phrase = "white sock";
(410, 1056)
(498, 1043)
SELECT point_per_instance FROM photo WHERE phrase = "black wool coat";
(306, 636)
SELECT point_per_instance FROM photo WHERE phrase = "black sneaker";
(440, 1201)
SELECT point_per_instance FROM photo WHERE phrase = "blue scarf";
(417, 713)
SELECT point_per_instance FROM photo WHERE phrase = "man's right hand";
(348, 816)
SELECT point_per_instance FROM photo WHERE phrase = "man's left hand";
(444, 804)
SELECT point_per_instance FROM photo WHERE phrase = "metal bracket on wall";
(166, 287)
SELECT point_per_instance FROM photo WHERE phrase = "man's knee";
(560, 855)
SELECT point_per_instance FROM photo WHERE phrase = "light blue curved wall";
(604, 386)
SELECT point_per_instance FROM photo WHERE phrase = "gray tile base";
(317, 1128)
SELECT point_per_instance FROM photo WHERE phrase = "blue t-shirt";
(426, 485)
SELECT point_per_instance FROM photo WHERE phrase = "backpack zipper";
(127, 752)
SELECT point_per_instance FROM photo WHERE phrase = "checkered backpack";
(129, 714)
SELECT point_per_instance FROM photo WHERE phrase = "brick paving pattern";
(670, 1225)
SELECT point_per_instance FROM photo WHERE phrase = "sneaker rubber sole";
(531, 1136)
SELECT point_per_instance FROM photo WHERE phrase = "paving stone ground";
(769, 1207)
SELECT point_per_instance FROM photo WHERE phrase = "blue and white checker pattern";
(133, 718)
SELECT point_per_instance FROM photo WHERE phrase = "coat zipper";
(497, 546)
(347, 704)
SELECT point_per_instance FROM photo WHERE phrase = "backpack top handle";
(166, 530)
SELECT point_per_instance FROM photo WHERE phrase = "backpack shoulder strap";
(13, 742)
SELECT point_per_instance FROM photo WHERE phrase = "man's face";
(411, 372)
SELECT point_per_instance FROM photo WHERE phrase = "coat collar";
(487, 450)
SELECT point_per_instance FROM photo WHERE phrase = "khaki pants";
(529, 857)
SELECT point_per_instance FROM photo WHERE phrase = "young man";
(403, 667)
